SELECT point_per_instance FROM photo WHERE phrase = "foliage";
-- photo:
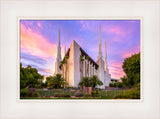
(129, 94)
(96, 93)
(90, 82)
(81, 58)
(66, 57)
(71, 88)
(114, 84)
(29, 77)
(87, 95)
(120, 85)
(56, 81)
(48, 81)
(61, 95)
(95, 81)
(24, 92)
(63, 62)
(125, 81)
(44, 85)
(138, 86)
(78, 94)
(85, 82)
(35, 94)
(111, 85)
(87, 57)
(131, 67)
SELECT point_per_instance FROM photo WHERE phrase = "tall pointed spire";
(58, 59)
(59, 47)
(106, 64)
(100, 44)
(64, 50)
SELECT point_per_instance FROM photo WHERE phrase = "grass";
(54, 91)
(104, 94)
(66, 98)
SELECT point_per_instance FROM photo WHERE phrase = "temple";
(77, 64)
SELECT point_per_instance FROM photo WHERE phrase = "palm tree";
(87, 63)
(95, 81)
(90, 82)
(63, 62)
(85, 82)
(57, 81)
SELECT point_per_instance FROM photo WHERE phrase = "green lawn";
(103, 93)
(52, 92)
(45, 94)
(67, 98)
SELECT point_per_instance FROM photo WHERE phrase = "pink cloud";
(130, 53)
(118, 31)
(49, 71)
(36, 44)
(39, 25)
(116, 69)
(84, 26)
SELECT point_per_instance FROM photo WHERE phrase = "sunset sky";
(39, 39)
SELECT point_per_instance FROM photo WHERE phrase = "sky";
(39, 40)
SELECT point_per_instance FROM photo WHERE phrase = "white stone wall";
(76, 65)
(101, 76)
(107, 78)
(57, 69)
(71, 66)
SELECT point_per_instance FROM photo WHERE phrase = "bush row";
(25, 93)
(119, 85)
(61, 95)
(130, 94)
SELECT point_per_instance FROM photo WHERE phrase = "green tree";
(131, 67)
(56, 81)
(90, 82)
(29, 77)
(125, 81)
(95, 81)
(111, 85)
(85, 82)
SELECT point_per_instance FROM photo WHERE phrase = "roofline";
(89, 57)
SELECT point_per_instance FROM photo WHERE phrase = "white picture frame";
(147, 11)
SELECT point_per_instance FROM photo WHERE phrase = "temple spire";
(64, 50)
(59, 47)
(106, 64)
(58, 59)
(100, 44)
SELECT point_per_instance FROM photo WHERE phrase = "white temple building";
(78, 64)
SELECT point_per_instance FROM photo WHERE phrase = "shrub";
(115, 85)
(67, 95)
(71, 88)
(96, 93)
(130, 94)
(135, 94)
(121, 97)
(120, 85)
(35, 94)
(78, 94)
(111, 85)
(58, 90)
(61, 95)
(24, 92)
(87, 95)
(138, 86)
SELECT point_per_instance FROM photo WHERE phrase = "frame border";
(85, 0)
